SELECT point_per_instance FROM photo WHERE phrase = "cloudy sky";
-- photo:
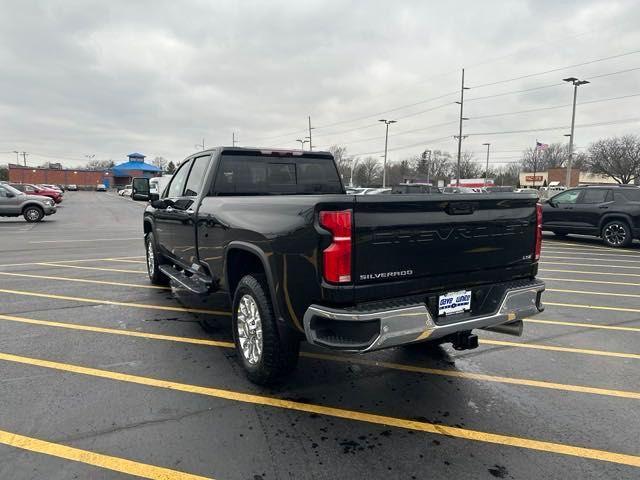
(106, 78)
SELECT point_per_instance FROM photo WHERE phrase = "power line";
(545, 129)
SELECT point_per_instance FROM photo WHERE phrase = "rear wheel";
(33, 214)
(264, 355)
(617, 234)
(154, 259)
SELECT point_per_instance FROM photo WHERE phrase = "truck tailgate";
(412, 238)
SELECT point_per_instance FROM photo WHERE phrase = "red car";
(35, 190)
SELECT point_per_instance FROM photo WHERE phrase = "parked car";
(499, 189)
(458, 190)
(158, 184)
(33, 208)
(378, 191)
(414, 188)
(610, 212)
(101, 187)
(52, 187)
(271, 238)
(125, 192)
(29, 189)
(72, 188)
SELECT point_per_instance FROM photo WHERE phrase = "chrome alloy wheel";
(150, 259)
(33, 214)
(249, 329)
(615, 234)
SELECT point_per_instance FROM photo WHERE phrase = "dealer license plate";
(454, 302)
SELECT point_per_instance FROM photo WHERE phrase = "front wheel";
(153, 261)
(33, 214)
(264, 355)
(617, 234)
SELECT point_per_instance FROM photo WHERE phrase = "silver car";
(33, 208)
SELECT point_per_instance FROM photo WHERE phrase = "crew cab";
(273, 237)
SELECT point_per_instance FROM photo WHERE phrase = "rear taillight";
(337, 256)
(538, 247)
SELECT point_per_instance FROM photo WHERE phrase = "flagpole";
(535, 163)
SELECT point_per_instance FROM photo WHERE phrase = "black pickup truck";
(272, 235)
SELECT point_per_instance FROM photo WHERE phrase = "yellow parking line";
(124, 260)
(583, 325)
(594, 307)
(586, 292)
(121, 304)
(80, 260)
(354, 415)
(83, 280)
(603, 282)
(535, 346)
(594, 259)
(591, 273)
(108, 462)
(573, 251)
(588, 265)
(100, 269)
(588, 247)
(337, 358)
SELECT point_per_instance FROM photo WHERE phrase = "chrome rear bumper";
(362, 331)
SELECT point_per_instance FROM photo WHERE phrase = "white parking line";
(591, 273)
(588, 247)
(588, 265)
(88, 240)
(602, 282)
(574, 251)
(594, 259)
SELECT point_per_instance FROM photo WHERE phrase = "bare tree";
(554, 156)
(99, 164)
(343, 162)
(4, 173)
(469, 168)
(438, 167)
(160, 162)
(507, 175)
(399, 172)
(368, 172)
(616, 157)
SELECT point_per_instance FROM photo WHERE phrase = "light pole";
(460, 136)
(17, 157)
(486, 171)
(386, 142)
(576, 83)
(354, 162)
(302, 142)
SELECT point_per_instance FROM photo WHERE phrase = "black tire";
(154, 260)
(616, 234)
(33, 214)
(279, 356)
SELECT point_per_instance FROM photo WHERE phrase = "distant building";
(123, 173)
(58, 176)
(559, 175)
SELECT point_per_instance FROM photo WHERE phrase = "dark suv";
(611, 212)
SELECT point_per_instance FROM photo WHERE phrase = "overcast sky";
(112, 77)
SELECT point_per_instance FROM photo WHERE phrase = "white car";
(126, 191)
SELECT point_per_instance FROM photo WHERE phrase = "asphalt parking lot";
(103, 376)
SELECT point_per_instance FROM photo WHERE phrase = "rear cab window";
(241, 173)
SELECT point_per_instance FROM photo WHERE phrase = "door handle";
(603, 206)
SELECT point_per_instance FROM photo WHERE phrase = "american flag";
(541, 146)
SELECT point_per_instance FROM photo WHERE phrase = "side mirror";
(10, 194)
(140, 190)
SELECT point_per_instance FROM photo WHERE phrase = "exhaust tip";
(512, 328)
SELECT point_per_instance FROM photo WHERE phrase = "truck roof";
(268, 151)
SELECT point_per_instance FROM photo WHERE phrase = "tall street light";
(302, 142)
(386, 142)
(576, 83)
(486, 170)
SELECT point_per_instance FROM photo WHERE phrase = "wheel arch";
(609, 217)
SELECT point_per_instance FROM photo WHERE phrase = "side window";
(570, 196)
(176, 187)
(628, 195)
(595, 195)
(196, 177)
(3, 192)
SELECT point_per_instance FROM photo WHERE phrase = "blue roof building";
(135, 167)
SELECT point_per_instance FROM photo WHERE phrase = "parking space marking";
(338, 358)
(573, 251)
(588, 247)
(88, 457)
(536, 346)
(120, 304)
(589, 265)
(594, 307)
(591, 273)
(603, 282)
(594, 259)
(587, 292)
(84, 280)
(81, 260)
(335, 412)
(583, 325)
(123, 260)
(100, 269)
(104, 239)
